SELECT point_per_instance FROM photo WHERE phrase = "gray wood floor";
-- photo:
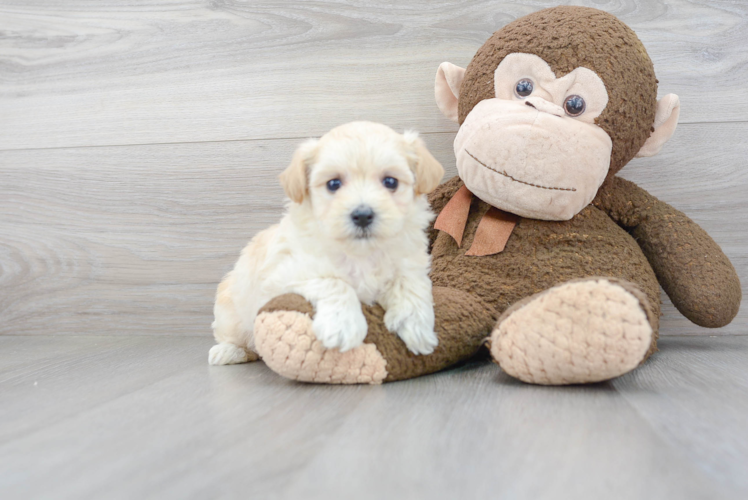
(139, 148)
(146, 417)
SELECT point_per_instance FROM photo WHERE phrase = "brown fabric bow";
(494, 229)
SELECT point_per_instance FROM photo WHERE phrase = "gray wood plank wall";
(140, 141)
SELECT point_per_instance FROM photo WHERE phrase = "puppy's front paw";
(418, 336)
(340, 328)
(415, 328)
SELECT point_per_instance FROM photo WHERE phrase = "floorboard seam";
(296, 138)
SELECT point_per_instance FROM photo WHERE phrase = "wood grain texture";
(693, 389)
(87, 72)
(146, 417)
(133, 240)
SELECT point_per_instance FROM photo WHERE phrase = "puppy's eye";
(524, 87)
(390, 183)
(333, 185)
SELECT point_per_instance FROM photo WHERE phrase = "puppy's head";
(362, 181)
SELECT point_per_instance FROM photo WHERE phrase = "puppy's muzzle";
(362, 216)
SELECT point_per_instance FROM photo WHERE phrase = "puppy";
(354, 232)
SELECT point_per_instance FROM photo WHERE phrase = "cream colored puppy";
(354, 232)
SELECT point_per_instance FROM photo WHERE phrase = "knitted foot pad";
(287, 344)
(578, 332)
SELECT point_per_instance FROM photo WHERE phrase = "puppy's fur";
(319, 252)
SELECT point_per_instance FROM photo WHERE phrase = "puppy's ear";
(295, 178)
(427, 170)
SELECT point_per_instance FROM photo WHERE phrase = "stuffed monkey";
(539, 251)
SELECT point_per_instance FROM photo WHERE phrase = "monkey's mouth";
(501, 172)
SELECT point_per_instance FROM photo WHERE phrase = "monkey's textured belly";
(540, 255)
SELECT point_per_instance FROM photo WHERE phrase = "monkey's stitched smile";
(492, 169)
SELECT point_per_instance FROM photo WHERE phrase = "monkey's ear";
(447, 88)
(427, 169)
(294, 178)
(666, 119)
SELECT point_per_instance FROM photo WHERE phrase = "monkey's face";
(534, 149)
(552, 104)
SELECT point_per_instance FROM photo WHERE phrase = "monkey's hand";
(690, 266)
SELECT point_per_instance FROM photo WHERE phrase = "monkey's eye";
(333, 185)
(390, 183)
(523, 88)
(574, 105)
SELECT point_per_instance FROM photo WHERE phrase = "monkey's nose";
(362, 216)
(545, 106)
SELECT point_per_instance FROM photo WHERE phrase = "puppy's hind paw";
(229, 354)
(340, 328)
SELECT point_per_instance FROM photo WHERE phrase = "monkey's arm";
(438, 198)
(690, 266)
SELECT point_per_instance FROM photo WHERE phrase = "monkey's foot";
(286, 342)
(577, 332)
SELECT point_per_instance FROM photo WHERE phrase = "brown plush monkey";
(537, 244)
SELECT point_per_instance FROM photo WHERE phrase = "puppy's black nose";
(363, 216)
